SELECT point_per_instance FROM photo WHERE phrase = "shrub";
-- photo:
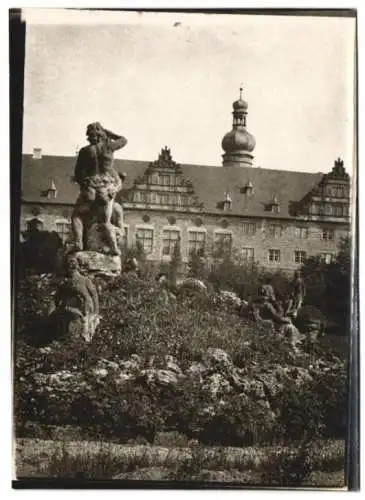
(40, 252)
(328, 285)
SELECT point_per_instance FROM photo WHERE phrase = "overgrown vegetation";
(264, 395)
(138, 319)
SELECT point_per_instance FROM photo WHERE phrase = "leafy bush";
(230, 421)
(328, 286)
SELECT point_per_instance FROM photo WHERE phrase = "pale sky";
(160, 84)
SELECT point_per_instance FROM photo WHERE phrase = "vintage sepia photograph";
(183, 217)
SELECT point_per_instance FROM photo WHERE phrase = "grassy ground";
(86, 459)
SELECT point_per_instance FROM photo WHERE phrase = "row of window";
(171, 237)
(196, 239)
(196, 242)
(277, 231)
(222, 243)
(153, 198)
(330, 209)
(299, 256)
(249, 229)
(336, 191)
(164, 180)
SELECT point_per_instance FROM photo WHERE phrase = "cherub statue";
(99, 183)
(78, 298)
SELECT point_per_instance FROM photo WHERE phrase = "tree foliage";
(328, 286)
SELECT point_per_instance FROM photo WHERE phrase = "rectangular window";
(300, 256)
(222, 244)
(153, 197)
(275, 209)
(248, 254)
(328, 209)
(164, 199)
(144, 237)
(301, 232)
(197, 242)
(249, 228)
(338, 210)
(63, 230)
(164, 180)
(328, 235)
(170, 238)
(328, 257)
(274, 255)
(315, 209)
(184, 200)
(137, 197)
(144, 197)
(275, 231)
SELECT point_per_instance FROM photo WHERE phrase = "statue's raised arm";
(115, 141)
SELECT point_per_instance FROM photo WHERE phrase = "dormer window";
(227, 203)
(247, 188)
(52, 190)
(273, 206)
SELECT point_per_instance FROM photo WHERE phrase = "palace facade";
(273, 217)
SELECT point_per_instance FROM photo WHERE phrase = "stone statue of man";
(99, 183)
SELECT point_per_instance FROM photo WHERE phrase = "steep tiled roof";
(210, 184)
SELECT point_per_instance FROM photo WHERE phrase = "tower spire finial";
(241, 89)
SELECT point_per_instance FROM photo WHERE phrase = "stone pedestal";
(97, 264)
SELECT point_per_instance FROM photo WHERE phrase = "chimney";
(37, 153)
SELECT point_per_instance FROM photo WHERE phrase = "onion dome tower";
(238, 144)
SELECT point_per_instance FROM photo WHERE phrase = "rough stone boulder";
(216, 359)
(154, 377)
(162, 372)
(98, 264)
(216, 385)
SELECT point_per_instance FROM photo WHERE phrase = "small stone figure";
(77, 298)
(297, 294)
(265, 309)
(99, 183)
